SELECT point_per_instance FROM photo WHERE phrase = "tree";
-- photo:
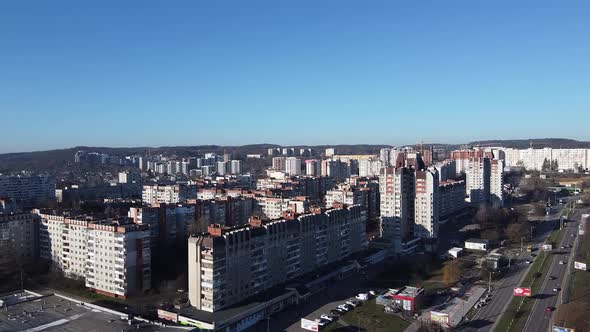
(516, 231)
(452, 272)
(546, 165)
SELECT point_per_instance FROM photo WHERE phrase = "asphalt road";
(503, 289)
(539, 318)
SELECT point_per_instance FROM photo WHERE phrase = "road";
(485, 319)
(503, 289)
(539, 319)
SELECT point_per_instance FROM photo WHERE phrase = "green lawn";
(370, 317)
(514, 319)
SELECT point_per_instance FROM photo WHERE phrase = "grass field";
(370, 317)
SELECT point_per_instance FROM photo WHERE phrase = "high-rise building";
(426, 206)
(113, 259)
(19, 241)
(293, 166)
(229, 265)
(369, 167)
(397, 193)
(496, 183)
(169, 194)
(235, 167)
(338, 169)
(478, 174)
(312, 167)
(28, 190)
(452, 198)
(279, 163)
(222, 167)
(385, 156)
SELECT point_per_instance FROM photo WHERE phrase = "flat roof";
(477, 241)
(27, 311)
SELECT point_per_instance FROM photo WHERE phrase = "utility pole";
(490, 282)
(521, 243)
(268, 324)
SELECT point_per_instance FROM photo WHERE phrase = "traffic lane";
(484, 320)
(488, 314)
(539, 318)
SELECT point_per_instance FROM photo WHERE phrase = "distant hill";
(537, 143)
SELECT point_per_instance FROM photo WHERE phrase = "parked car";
(363, 296)
(335, 312)
(549, 309)
(353, 303)
(561, 263)
(326, 317)
(556, 289)
(321, 322)
(552, 278)
(372, 293)
(528, 262)
(344, 307)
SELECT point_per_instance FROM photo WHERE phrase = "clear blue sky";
(297, 72)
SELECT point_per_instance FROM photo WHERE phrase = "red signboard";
(522, 291)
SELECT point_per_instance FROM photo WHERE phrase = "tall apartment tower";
(478, 174)
(397, 191)
(312, 167)
(496, 183)
(426, 204)
(228, 265)
(293, 166)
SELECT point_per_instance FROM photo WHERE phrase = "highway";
(539, 318)
(503, 289)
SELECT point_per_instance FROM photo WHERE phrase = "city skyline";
(335, 73)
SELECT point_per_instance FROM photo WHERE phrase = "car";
(326, 317)
(362, 296)
(552, 278)
(562, 247)
(372, 293)
(549, 309)
(321, 322)
(335, 312)
(556, 289)
(561, 262)
(528, 262)
(353, 303)
(344, 307)
(533, 255)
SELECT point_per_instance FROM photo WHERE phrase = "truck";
(529, 248)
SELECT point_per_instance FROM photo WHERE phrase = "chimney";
(289, 215)
(215, 230)
(255, 221)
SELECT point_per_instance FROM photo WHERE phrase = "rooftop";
(28, 311)
(477, 241)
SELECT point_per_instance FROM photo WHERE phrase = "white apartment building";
(169, 194)
(397, 192)
(370, 168)
(222, 167)
(293, 166)
(567, 159)
(112, 259)
(496, 183)
(312, 167)
(229, 265)
(273, 207)
(447, 170)
(426, 205)
(478, 175)
(235, 167)
(279, 163)
(119, 259)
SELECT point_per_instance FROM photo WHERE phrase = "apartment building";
(279, 163)
(496, 182)
(478, 175)
(229, 265)
(19, 241)
(426, 205)
(114, 259)
(337, 169)
(370, 168)
(28, 189)
(119, 259)
(235, 167)
(168, 194)
(462, 158)
(273, 207)
(447, 170)
(312, 167)
(293, 166)
(397, 192)
(567, 159)
(452, 197)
